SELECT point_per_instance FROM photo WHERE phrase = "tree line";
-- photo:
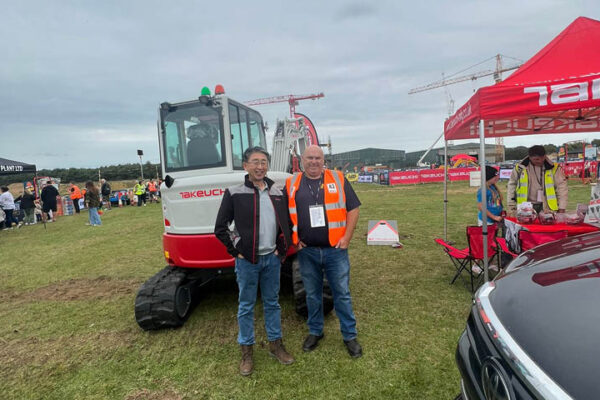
(520, 152)
(122, 172)
(110, 173)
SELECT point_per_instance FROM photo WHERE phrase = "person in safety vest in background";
(538, 180)
(152, 191)
(140, 191)
(324, 211)
(75, 195)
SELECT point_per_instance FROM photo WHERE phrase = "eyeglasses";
(256, 163)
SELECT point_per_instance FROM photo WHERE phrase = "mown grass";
(67, 329)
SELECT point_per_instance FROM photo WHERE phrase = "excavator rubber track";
(165, 300)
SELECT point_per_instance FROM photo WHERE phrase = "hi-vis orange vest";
(151, 187)
(76, 193)
(335, 204)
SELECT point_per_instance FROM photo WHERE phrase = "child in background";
(493, 205)
(493, 198)
(38, 212)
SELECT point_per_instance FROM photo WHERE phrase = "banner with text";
(429, 175)
(574, 168)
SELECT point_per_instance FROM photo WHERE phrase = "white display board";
(475, 178)
(383, 232)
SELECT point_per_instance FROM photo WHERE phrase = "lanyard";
(314, 195)
(541, 178)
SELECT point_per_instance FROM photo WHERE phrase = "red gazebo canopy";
(556, 91)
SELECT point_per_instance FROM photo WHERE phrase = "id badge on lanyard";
(317, 216)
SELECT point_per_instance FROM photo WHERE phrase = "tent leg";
(445, 190)
(483, 189)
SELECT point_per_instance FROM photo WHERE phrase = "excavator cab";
(201, 146)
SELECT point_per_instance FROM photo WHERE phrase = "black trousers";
(9, 219)
(76, 205)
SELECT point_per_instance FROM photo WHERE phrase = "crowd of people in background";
(45, 207)
(147, 192)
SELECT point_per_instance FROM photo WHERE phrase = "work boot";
(354, 348)
(247, 364)
(311, 342)
(277, 350)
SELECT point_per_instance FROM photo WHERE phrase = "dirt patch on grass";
(78, 289)
(101, 288)
(146, 394)
(65, 350)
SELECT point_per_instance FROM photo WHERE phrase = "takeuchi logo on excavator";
(202, 193)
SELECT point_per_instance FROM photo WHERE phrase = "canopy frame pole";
(445, 190)
(483, 189)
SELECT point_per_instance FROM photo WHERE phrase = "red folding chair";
(503, 249)
(460, 258)
(529, 240)
(475, 240)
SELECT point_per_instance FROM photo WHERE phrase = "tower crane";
(291, 99)
(288, 141)
(497, 73)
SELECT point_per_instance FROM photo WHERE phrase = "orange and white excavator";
(201, 146)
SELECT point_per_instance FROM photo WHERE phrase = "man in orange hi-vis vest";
(324, 211)
(75, 196)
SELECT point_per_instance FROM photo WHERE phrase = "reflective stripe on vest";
(291, 186)
(335, 204)
(549, 189)
(522, 187)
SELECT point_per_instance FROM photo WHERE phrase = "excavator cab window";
(236, 136)
(246, 131)
(193, 138)
(257, 137)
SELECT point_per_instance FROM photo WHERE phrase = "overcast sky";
(80, 82)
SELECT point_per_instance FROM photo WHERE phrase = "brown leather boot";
(247, 364)
(277, 350)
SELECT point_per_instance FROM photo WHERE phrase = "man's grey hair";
(256, 149)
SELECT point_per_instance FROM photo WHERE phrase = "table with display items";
(513, 227)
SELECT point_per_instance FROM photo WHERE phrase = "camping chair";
(503, 249)
(529, 240)
(475, 240)
(460, 258)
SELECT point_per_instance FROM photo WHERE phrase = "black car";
(532, 332)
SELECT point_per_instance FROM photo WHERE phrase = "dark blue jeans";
(314, 261)
(9, 219)
(266, 274)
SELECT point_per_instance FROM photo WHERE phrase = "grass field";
(67, 328)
